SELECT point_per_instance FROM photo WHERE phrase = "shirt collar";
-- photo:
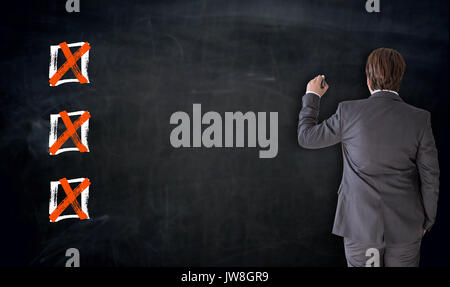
(391, 91)
(386, 94)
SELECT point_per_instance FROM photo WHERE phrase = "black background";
(154, 205)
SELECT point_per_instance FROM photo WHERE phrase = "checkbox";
(81, 142)
(55, 74)
(55, 209)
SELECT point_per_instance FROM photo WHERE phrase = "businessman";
(388, 195)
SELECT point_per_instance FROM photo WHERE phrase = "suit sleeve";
(310, 133)
(428, 166)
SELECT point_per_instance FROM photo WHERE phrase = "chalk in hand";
(322, 83)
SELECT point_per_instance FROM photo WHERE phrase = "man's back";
(382, 133)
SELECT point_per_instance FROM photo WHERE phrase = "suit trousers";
(382, 255)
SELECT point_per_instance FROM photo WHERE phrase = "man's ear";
(368, 85)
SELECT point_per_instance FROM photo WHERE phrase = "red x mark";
(71, 63)
(70, 199)
(71, 132)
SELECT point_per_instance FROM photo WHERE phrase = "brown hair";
(384, 69)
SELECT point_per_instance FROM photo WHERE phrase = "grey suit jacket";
(390, 182)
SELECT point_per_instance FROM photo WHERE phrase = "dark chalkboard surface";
(154, 205)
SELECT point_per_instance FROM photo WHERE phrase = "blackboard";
(155, 205)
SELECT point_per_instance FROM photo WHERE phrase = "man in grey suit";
(390, 184)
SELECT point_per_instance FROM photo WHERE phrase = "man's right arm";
(428, 166)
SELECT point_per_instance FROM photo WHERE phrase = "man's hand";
(424, 231)
(314, 86)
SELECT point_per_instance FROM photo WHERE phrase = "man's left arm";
(311, 134)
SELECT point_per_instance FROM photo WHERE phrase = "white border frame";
(53, 68)
(54, 199)
(54, 132)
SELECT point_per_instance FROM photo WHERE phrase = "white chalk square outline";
(54, 132)
(53, 68)
(54, 199)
